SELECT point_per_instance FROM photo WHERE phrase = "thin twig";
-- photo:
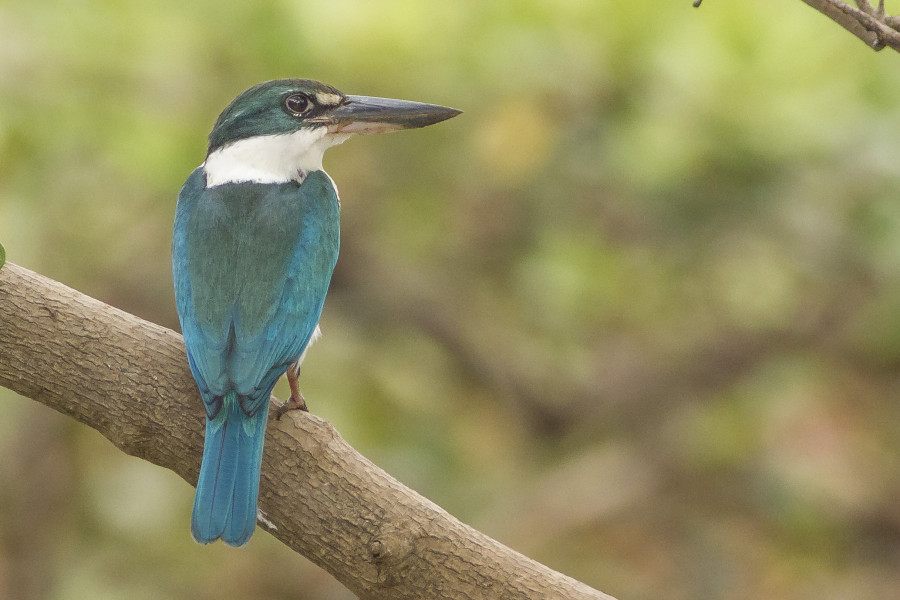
(867, 23)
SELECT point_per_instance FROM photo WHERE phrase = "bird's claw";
(296, 401)
(291, 404)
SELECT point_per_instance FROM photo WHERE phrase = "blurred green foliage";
(636, 313)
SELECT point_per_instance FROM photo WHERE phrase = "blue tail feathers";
(227, 489)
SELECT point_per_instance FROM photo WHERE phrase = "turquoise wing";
(251, 264)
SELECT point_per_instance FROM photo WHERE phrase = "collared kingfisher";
(255, 242)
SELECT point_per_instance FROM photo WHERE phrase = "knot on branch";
(392, 552)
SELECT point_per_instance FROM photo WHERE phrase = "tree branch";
(869, 24)
(128, 379)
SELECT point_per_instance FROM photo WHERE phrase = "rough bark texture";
(129, 379)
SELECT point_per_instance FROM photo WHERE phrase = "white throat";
(270, 158)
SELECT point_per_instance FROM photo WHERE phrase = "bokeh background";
(636, 313)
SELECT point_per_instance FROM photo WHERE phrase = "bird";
(255, 241)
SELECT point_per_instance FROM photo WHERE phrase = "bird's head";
(277, 129)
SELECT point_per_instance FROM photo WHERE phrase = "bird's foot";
(296, 401)
(291, 404)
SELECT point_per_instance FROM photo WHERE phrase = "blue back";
(251, 264)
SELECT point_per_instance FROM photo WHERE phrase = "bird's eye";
(298, 104)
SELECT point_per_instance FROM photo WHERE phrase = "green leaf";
(2, 255)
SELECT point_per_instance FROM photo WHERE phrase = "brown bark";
(129, 379)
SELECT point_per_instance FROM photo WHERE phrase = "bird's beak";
(367, 114)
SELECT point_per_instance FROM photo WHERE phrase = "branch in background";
(866, 22)
(128, 379)
(869, 24)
